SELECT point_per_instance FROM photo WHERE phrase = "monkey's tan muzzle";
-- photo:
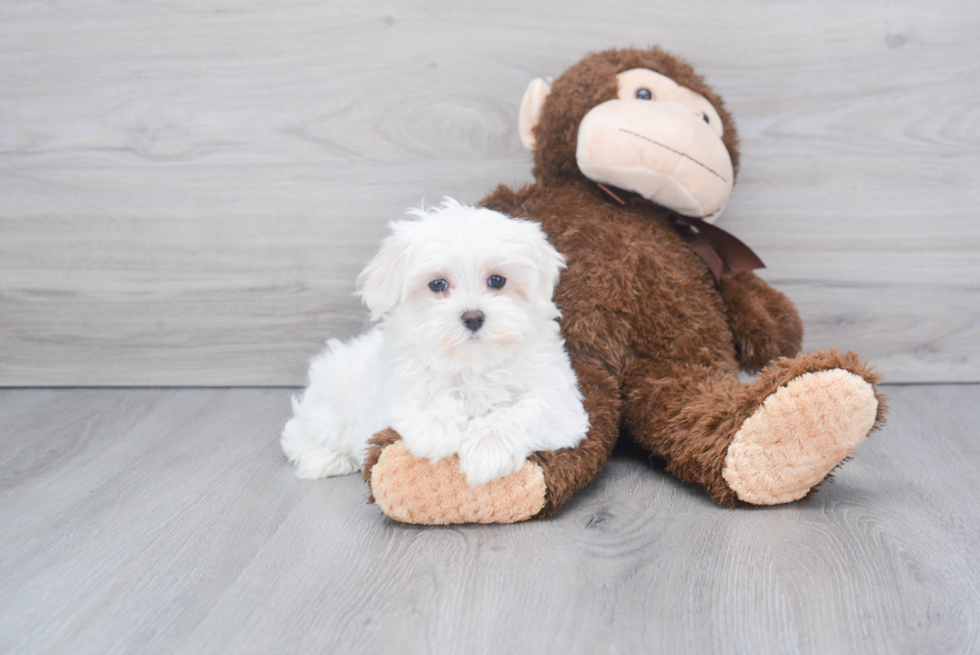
(663, 151)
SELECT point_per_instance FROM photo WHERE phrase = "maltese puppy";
(466, 359)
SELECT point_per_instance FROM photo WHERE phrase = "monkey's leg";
(414, 490)
(764, 443)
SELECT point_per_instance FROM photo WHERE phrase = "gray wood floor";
(163, 521)
(187, 189)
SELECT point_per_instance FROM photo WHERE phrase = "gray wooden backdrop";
(188, 190)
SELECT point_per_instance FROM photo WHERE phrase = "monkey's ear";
(531, 105)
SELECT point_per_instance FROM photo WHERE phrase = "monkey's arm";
(764, 322)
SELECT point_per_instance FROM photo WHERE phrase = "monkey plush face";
(637, 120)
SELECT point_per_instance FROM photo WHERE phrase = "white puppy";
(467, 357)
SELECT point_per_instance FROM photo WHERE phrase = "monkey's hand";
(764, 322)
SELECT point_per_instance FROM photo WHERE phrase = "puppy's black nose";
(473, 320)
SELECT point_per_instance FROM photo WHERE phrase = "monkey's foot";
(413, 490)
(798, 435)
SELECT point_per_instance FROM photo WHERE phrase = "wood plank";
(160, 521)
(186, 195)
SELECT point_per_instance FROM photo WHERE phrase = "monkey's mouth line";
(676, 152)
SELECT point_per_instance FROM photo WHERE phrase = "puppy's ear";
(549, 261)
(381, 283)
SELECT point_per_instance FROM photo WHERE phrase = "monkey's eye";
(644, 94)
(705, 117)
(496, 282)
(438, 285)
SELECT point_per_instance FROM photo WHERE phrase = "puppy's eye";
(644, 94)
(438, 285)
(496, 282)
(706, 120)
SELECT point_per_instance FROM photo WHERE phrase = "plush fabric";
(657, 343)
(798, 434)
(417, 491)
(593, 81)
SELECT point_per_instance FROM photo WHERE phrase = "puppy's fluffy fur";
(492, 392)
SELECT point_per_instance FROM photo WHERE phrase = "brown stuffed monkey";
(655, 337)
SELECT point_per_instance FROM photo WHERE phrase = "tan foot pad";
(798, 435)
(414, 490)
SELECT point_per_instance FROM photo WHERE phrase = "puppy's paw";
(488, 452)
(431, 436)
(324, 462)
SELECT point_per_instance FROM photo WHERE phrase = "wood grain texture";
(161, 521)
(187, 192)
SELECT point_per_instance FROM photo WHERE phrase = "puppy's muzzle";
(473, 320)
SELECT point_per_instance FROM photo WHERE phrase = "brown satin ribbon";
(714, 245)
